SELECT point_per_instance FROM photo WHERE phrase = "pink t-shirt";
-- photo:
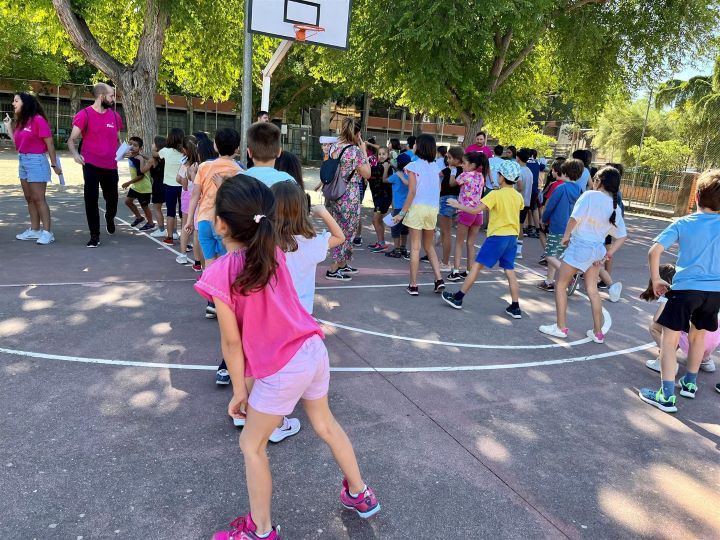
(29, 139)
(273, 324)
(477, 148)
(471, 188)
(100, 136)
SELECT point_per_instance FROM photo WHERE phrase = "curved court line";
(429, 369)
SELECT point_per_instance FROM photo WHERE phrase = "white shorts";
(581, 254)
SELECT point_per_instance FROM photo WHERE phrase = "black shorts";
(523, 215)
(382, 203)
(534, 200)
(158, 192)
(684, 307)
(142, 198)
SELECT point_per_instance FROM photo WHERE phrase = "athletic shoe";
(439, 286)
(708, 365)
(542, 262)
(545, 286)
(337, 275)
(357, 241)
(93, 242)
(379, 248)
(655, 365)
(137, 222)
(110, 225)
(449, 299)
(445, 267)
(182, 259)
(159, 233)
(28, 234)
(596, 337)
(365, 504)
(197, 267)
(244, 528)
(425, 259)
(394, 253)
(717, 387)
(176, 236)
(46, 237)
(147, 227)
(602, 285)
(657, 399)
(210, 311)
(347, 269)
(573, 285)
(188, 249)
(373, 246)
(289, 428)
(405, 254)
(514, 312)
(168, 241)
(687, 390)
(554, 331)
(454, 276)
(614, 291)
(413, 291)
(519, 255)
(533, 234)
(222, 377)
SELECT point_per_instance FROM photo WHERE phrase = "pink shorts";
(470, 220)
(712, 342)
(185, 201)
(305, 376)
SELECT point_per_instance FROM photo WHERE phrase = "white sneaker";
(46, 237)
(289, 428)
(158, 233)
(29, 234)
(518, 255)
(182, 259)
(176, 236)
(597, 338)
(445, 267)
(708, 365)
(655, 365)
(554, 331)
(614, 291)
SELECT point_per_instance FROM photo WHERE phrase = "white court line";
(161, 244)
(385, 285)
(96, 283)
(429, 369)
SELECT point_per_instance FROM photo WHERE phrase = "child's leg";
(403, 240)
(591, 279)
(428, 238)
(197, 252)
(668, 355)
(564, 275)
(553, 263)
(473, 273)
(159, 217)
(415, 239)
(696, 350)
(379, 227)
(605, 276)
(513, 284)
(445, 237)
(462, 231)
(328, 429)
(170, 226)
(253, 442)
(130, 203)
(148, 213)
(183, 235)
(471, 239)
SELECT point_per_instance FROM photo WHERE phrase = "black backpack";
(333, 185)
(329, 167)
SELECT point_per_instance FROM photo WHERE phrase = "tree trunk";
(326, 116)
(472, 126)
(140, 112)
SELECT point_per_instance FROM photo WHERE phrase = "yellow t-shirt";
(505, 205)
(208, 189)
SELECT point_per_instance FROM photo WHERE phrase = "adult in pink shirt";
(99, 127)
(30, 132)
(479, 145)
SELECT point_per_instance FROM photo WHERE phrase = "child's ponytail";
(667, 272)
(248, 209)
(609, 178)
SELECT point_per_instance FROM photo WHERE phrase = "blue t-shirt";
(583, 180)
(535, 168)
(412, 155)
(399, 191)
(698, 239)
(268, 175)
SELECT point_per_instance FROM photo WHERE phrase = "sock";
(459, 295)
(264, 535)
(356, 495)
(668, 388)
(690, 378)
(515, 305)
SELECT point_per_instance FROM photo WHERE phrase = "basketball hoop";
(302, 29)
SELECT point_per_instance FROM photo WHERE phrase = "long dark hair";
(248, 209)
(206, 150)
(609, 178)
(190, 150)
(667, 273)
(480, 160)
(175, 139)
(30, 107)
(290, 163)
(291, 215)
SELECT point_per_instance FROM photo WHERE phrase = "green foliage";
(661, 156)
(521, 133)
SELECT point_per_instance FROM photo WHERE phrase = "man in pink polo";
(98, 126)
(479, 145)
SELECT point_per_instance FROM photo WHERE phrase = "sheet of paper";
(61, 177)
(388, 220)
(121, 151)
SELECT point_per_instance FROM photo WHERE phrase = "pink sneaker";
(365, 504)
(244, 528)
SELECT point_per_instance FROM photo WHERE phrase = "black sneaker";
(357, 241)
(413, 291)
(394, 254)
(463, 274)
(514, 312)
(337, 275)
(222, 377)
(602, 285)
(147, 227)
(137, 222)
(439, 286)
(542, 262)
(449, 299)
(573, 285)
(347, 269)
(110, 224)
(545, 286)
(717, 387)
(406, 254)
(93, 242)
(454, 276)
(425, 259)
(210, 311)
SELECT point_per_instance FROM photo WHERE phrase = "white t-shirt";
(173, 160)
(527, 179)
(428, 182)
(302, 264)
(495, 162)
(592, 213)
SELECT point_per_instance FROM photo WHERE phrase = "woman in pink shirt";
(274, 351)
(30, 132)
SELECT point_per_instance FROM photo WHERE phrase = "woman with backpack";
(353, 168)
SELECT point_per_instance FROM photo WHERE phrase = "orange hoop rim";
(302, 29)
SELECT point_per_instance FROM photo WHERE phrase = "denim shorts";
(445, 209)
(34, 167)
(500, 249)
(210, 242)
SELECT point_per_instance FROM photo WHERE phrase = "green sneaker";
(687, 389)
(657, 399)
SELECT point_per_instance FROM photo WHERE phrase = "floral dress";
(346, 210)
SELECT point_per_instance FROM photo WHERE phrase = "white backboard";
(277, 17)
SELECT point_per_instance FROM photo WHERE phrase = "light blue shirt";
(268, 175)
(583, 180)
(698, 239)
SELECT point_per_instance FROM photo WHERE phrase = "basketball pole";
(246, 84)
(267, 73)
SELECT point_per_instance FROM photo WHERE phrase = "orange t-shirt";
(208, 189)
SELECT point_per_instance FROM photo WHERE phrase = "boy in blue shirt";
(399, 182)
(693, 301)
(264, 148)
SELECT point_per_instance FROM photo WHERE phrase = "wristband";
(402, 213)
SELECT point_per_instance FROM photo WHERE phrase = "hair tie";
(258, 217)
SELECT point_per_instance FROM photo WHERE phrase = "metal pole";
(642, 138)
(57, 116)
(247, 83)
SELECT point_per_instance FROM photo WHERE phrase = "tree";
(483, 61)
(661, 156)
(521, 133)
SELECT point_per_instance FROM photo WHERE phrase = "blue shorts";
(445, 209)
(500, 249)
(210, 243)
(34, 168)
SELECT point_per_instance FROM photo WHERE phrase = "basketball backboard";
(278, 18)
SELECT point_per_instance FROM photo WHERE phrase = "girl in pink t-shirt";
(273, 349)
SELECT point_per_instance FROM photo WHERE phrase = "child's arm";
(137, 179)
(572, 223)
(455, 204)
(412, 190)
(660, 286)
(231, 343)
(337, 236)
(194, 198)
(404, 178)
(386, 169)
(147, 165)
(550, 205)
(453, 177)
